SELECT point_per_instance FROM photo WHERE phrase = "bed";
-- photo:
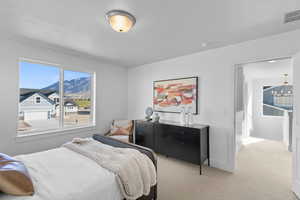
(67, 175)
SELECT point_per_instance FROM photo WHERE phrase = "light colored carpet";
(264, 173)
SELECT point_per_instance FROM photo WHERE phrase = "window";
(38, 100)
(52, 98)
(79, 98)
(277, 99)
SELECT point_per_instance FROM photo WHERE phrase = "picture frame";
(172, 95)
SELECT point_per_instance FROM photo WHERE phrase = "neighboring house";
(54, 97)
(42, 105)
(70, 107)
(36, 106)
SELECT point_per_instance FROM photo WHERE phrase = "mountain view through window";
(40, 104)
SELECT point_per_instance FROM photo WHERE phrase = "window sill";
(45, 134)
(272, 116)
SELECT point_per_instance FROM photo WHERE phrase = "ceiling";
(164, 28)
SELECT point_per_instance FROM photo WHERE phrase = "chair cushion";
(14, 177)
(121, 127)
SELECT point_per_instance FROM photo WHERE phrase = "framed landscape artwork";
(175, 94)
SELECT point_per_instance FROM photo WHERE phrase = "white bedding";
(61, 174)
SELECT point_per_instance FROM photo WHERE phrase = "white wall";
(266, 127)
(111, 95)
(256, 76)
(215, 69)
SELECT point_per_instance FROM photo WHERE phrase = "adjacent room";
(264, 120)
(150, 100)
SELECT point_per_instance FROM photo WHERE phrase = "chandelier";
(284, 90)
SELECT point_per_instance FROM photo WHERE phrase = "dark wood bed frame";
(144, 150)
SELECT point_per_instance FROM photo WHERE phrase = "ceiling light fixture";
(120, 21)
(272, 61)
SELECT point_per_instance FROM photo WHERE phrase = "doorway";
(264, 118)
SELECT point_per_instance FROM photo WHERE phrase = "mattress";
(61, 174)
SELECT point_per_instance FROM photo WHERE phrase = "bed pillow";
(121, 127)
(14, 177)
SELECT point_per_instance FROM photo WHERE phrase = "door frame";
(233, 148)
(296, 128)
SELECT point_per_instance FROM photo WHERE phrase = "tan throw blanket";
(134, 171)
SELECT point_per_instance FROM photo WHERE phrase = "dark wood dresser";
(185, 142)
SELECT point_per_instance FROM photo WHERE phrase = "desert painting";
(175, 94)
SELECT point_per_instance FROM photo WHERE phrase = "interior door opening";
(264, 121)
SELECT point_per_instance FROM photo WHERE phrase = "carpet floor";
(263, 173)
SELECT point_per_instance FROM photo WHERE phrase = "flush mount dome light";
(120, 21)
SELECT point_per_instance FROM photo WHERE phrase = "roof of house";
(26, 93)
(70, 102)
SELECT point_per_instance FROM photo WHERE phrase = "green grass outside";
(83, 103)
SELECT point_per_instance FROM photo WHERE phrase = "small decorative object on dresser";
(189, 116)
(185, 142)
(156, 117)
(149, 113)
(182, 116)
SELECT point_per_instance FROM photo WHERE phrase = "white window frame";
(90, 126)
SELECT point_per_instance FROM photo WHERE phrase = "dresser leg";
(208, 148)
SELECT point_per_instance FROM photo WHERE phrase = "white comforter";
(61, 174)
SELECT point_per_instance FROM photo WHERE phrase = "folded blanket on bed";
(134, 171)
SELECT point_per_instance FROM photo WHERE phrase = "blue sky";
(69, 75)
(38, 76)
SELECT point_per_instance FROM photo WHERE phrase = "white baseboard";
(296, 189)
(239, 146)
